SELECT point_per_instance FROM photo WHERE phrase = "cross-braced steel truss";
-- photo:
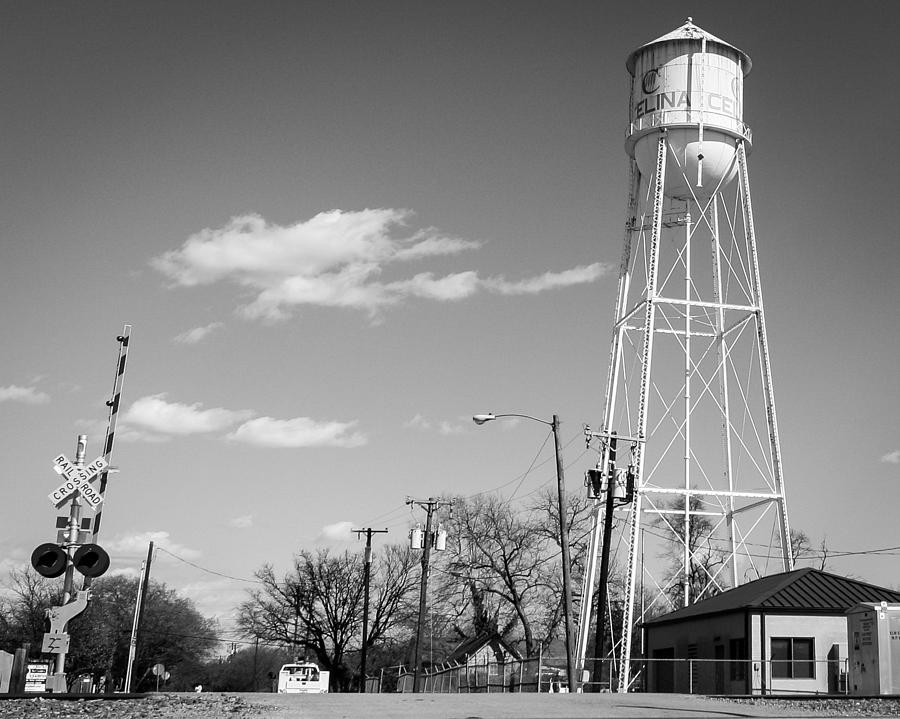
(689, 378)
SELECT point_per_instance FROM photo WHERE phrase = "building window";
(737, 653)
(793, 658)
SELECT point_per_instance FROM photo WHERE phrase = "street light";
(480, 419)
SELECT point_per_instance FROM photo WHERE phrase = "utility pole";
(571, 672)
(366, 575)
(604, 561)
(429, 505)
(566, 565)
(139, 602)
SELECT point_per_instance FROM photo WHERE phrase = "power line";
(208, 571)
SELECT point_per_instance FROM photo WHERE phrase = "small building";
(484, 648)
(785, 633)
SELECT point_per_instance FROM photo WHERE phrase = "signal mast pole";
(74, 529)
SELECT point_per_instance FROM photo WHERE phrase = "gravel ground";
(828, 707)
(154, 706)
(215, 706)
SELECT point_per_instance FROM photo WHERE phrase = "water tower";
(689, 388)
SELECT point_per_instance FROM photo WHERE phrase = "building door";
(720, 668)
(664, 670)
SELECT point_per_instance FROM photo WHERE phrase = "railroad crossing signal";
(77, 479)
(50, 560)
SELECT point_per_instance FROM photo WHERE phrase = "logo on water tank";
(650, 81)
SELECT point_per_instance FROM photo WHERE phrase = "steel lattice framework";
(690, 382)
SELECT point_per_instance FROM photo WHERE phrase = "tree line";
(500, 575)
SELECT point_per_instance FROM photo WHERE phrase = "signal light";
(91, 560)
(49, 560)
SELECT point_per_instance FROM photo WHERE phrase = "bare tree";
(802, 549)
(318, 604)
(704, 558)
(508, 560)
(23, 607)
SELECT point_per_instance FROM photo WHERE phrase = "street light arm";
(563, 537)
(482, 418)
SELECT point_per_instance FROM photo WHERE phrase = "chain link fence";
(735, 677)
(539, 674)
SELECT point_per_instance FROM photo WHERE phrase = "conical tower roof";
(689, 31)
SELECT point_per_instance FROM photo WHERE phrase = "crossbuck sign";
(77, 479)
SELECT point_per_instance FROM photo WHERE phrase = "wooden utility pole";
(571, 674)
(429, 505)
(368, 531)
(602, 590)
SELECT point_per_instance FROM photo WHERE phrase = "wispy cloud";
(136, 545)
(157, 415)
(298, 432)
(197, 334)
(444, 427)
(419, 422)
(892, 457)
(216, 598)
(335, 259)
(337, 532)
(243, 522)
(549, 280)
(154, 418)
(25, 395)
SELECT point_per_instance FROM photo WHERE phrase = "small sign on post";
(36, 674)
(55, 643)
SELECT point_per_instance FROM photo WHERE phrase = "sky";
(339, 229)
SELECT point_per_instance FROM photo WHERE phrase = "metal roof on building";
(806, 590)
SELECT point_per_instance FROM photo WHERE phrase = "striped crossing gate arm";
(113, 404)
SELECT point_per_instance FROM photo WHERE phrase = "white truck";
(302, 678)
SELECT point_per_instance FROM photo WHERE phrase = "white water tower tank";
(692, 84)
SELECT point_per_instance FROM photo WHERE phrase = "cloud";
(130, 572)
(17, 560)
(26, 395)
(136, 545)
(419, 422)
(154, 413)
(198, 334)
(892, 457)
(215, 598)
(124, 432)
(242, 522)
(336, 259)
(298, 432)
(337, 532)
(444, 427)
(549, 280)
